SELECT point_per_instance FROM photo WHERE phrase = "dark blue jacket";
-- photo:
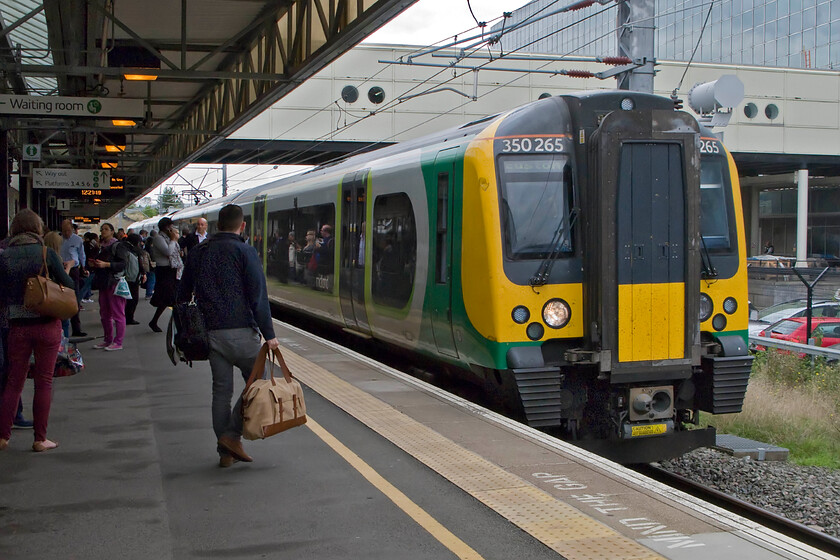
(229, 285)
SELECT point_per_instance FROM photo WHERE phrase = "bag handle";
(44, 266)
(259, 366)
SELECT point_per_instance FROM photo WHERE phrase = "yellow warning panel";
(651, 322)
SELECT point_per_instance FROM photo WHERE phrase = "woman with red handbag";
(29, 332)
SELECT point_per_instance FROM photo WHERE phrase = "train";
(581, 259)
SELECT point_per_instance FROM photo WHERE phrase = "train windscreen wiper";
(544, 271)
(709, 270)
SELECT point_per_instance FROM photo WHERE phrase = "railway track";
(792, 529)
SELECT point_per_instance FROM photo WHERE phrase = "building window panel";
(821, 60)
(809, 18)
(770, 10)
(823, 35)
(782, 8)
(823, 13)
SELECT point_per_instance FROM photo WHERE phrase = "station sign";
(32, 152)
(57, 106)
(86, 219)
(56, 178)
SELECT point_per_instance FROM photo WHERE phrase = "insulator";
(580, 5)
(615, 60)
(579, 74)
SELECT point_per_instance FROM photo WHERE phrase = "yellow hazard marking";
(648, 430)
(558, 525)
(418, 514)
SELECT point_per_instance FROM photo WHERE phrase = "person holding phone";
(166, 284)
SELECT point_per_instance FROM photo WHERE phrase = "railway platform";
(388, 467)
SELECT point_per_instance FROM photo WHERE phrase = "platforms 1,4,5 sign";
(46, 178)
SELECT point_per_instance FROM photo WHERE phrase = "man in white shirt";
(198, 236)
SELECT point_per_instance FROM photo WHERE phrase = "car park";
(824, 330)
(790, 309)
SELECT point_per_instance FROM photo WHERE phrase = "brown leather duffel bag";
(271, 406)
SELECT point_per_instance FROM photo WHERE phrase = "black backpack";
(190, 338)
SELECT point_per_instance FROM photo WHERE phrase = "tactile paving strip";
(559, 526)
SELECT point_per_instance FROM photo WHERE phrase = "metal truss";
(302, 38)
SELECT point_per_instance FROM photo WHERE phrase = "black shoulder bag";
(190, 338)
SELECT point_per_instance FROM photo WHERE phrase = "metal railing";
(795, 347)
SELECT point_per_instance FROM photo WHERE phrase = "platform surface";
(387, 467)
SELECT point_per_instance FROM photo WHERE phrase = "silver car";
(792, 308)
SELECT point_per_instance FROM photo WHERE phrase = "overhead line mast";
(636, 26)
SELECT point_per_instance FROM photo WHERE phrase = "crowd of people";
(225, 280)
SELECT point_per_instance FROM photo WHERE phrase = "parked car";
(824, 330)
(789, 309)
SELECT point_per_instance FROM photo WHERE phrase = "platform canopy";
(142, 88)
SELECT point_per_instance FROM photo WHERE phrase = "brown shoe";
(227, 460)
(234, 447)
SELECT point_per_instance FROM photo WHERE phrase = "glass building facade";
(780, 33)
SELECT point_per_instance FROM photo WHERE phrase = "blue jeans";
(229, 348)
(150, 282)
(86, 289)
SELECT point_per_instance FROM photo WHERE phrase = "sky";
(426, 22)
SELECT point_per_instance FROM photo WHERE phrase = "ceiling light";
(114, 149)
(140, 77)
(108, 164)
(123, 122)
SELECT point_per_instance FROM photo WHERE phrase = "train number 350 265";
(516, 145)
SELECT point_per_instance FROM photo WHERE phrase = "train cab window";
(715, 220)
(536, 194)
(394, 250)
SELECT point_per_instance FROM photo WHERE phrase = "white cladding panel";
(808, 120)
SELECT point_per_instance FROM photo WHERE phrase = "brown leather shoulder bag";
(48, 298)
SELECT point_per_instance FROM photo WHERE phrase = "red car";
(825, 331)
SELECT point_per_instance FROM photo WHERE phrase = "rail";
(796, 347)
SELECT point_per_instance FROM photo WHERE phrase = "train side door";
(258, 240)
(351, 287)
(440, 287)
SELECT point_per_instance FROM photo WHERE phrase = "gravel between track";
(807, 495)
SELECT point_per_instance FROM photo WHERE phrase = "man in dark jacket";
(226, 276)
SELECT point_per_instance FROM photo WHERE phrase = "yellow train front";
(592, 304)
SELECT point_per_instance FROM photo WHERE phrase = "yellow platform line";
(556, 524)
(418, 514)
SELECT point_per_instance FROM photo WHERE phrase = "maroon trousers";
(43, 340)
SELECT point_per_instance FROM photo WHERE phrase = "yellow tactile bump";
(556, 524)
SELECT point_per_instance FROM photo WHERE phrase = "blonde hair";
(53, 241)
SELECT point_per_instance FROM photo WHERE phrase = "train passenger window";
(298, 251)
(715, 222)
(394, 250)
(536, 194)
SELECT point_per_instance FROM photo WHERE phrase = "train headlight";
(706, 307)
(627, 104)
(520, 314)
(730, 305)
(556, 313)
(719, 322)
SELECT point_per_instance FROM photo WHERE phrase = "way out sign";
(32, 152)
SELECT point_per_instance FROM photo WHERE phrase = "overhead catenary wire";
(296, 155)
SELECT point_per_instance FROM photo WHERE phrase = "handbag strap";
(259, 366)
(44, 266)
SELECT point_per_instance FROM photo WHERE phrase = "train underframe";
(638, 422)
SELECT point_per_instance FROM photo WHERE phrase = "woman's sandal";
(4, 443)
(45, 445)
